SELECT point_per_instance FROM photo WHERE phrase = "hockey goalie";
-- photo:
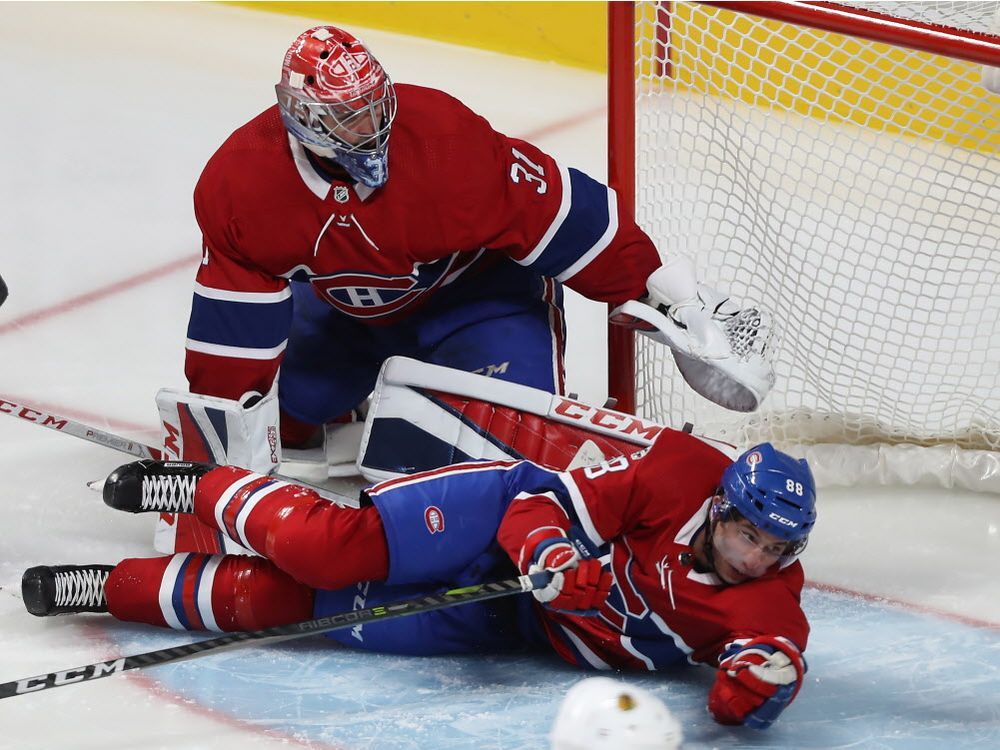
(359, 218)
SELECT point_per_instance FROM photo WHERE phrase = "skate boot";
(150, 486)
(64, 589)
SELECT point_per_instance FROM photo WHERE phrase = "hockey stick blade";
(132, 447)
(428, 603)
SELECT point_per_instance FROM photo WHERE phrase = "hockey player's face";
(742, 551)
(350, 127)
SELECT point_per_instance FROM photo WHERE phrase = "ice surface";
(109, 114)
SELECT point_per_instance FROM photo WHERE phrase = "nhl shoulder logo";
(434, 519)
(341, 193)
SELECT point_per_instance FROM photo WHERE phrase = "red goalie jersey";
(459, 196)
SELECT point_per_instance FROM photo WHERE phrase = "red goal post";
(838, 163)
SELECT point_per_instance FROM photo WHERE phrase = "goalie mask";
(599, 713)
(775, 493)
(336, 99)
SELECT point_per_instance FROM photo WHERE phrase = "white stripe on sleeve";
(557, 222)
(257, 298)
(598, 247)
(235, 352)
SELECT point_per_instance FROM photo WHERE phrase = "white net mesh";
(971, 16)
(850, 187)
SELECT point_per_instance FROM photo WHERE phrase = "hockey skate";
(149, 486)
(64, 589)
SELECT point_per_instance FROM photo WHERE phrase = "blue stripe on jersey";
(585, 224)
(660, 649)
(197, 587)
(247, 325)
(177, 597)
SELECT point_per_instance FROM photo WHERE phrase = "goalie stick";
(132, 447)
(427, 603)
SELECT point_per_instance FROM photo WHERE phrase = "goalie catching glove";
(579, 585)
(721, 350)
(756, 681)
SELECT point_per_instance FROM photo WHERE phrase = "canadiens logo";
(369, 295)
(754, 458)
(434, 519)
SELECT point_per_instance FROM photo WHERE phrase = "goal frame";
(827, 16)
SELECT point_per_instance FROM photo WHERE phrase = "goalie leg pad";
(425, 416)
(213, 430)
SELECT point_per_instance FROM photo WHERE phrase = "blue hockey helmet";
(774, 492)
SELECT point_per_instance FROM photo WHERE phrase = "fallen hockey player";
(673, 553)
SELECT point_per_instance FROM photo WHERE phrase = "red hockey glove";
(756, 681)
(579, 585)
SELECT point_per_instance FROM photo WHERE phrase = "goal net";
(838, 164)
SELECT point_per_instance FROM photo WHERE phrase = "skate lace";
(169, 494)
(80, 588)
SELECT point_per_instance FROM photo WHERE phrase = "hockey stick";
(428, 603)
(132, 447)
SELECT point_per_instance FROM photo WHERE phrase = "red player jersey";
(459, 195)
(639, 515)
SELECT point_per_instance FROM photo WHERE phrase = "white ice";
(109, 113)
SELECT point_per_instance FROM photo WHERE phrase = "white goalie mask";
(600, 713)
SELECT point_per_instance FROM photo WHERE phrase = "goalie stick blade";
(427, 603)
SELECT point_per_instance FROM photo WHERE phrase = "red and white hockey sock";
(206, 592)
(317, 542)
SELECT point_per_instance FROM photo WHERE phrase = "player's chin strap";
(721, 350)
(710, 550)
(426, 603)
(709, 531)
